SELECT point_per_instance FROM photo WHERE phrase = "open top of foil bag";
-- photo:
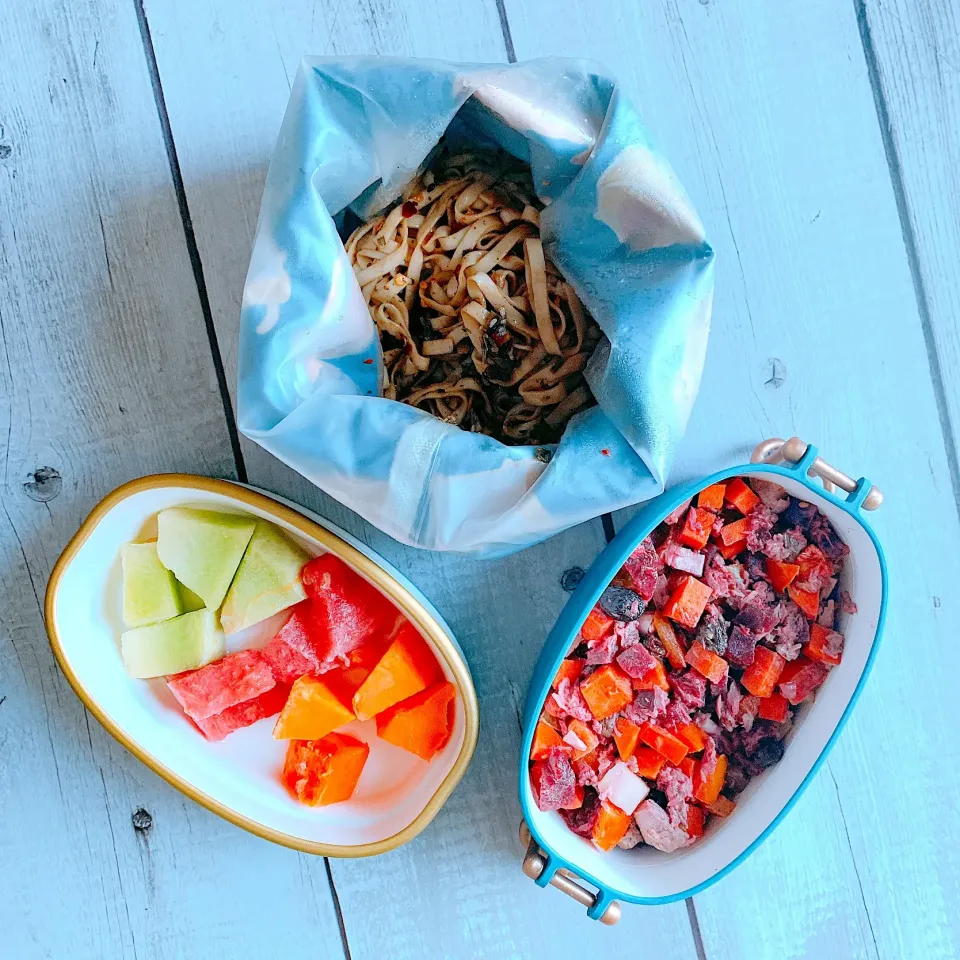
(617, 223)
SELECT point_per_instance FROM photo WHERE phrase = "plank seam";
(193, 250)
(505, 30)
(695, 928)
(337, 909)
(910, 243)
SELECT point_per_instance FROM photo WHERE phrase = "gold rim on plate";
(412, 608)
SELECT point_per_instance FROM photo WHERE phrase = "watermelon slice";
(212, 689)
(244, 714)
(287, 662)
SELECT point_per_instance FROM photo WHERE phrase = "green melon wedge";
(150, 592)
(188, 598)
(203, 548)
(183, 643)
(268, 580)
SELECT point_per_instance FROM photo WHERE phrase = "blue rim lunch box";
(559, 857)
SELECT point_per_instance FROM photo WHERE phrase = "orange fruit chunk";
(324, 771)
(422, 724)
(312, 711)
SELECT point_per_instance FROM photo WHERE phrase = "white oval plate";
(237, 778)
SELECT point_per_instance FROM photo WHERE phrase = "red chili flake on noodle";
(408, 209)
(368, 360)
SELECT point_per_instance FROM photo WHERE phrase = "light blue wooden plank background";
(818, 142)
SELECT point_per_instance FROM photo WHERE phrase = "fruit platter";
(262, 664)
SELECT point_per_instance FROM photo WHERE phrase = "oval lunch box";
(237, 778)
(557, 856)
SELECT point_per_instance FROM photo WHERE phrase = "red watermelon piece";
(287, 662)
(244, 714)
(210, 690)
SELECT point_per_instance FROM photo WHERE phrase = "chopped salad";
(683, 681)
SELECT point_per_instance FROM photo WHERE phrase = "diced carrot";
(762, 676)
(569, 669)
(407, 667)
(663, 742)
(422, 724)
(626, 734)
(722, 806)
(781, 574)
(687, 601)
(825, 645)
(695, 820)
(711, 498)
(740, 496)
(586, 736)
(728, 552)
(689, 766)
(706, 790)
(706, 663)
(692, 736)
(649, 762)
(774, 707)
(696, 528)
(311, 712)
(610, 826)
(597, 625)
(733, 532)
(655, 677)
(607, 691)
(325, 771)
(671, 643)
(544, 737)
(807, 600)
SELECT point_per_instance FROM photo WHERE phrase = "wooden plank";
(913, 55)
(105, 375)
(457, 890)
(816, 333)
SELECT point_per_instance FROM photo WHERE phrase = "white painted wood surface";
(768, 115)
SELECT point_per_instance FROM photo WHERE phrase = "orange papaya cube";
(711, 498)
(729, 552)
(585, 735)
(311, 712)
(422, 724)
(597, 625)
(781, 574)
(569, 669)
(325, 771)
(687, 601)
(607, 691)
(407, 667)
(740, 496)
(649, 762)
(671, 642)
(706, 663)
(544, 738)
(825, 645)
(664, 742)
(696, 819)
(775, 707)
(762, 676)
(696, 528)
(721, 807)
(807, 600)
(626, 734)
(692, 736)
(610, 826)
(707, 789)
(731, 533)
(656, 676)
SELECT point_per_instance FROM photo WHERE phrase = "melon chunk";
(172, 646)
(188, 598)
(150, 593)
(203, 548)
(267, 580)
(312, 711)
(407, 667)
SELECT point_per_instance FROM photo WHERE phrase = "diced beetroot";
(741, 645)
(804, 680)
(826, 538)
(643, 566)
(690, 687)
(244, 714)
(583, 819)
(210, 690)
(636, 661)
(554, 781)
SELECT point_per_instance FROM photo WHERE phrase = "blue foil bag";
(618, 225)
